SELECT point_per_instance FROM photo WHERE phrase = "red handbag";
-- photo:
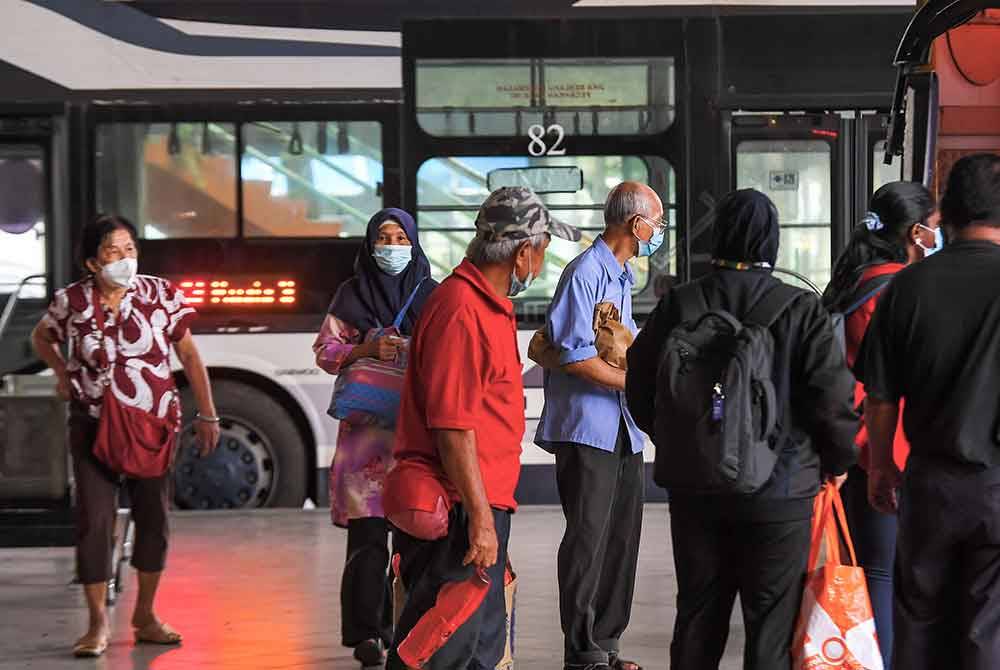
(130, 441)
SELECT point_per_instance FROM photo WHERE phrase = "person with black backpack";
(900, 228)
(741, 384)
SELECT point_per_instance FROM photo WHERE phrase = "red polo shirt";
(464, 374)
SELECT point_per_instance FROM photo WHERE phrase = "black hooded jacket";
(813, 384)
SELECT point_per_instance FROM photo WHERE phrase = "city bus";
(250, 142)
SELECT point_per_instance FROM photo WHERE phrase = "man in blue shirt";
(598, 448)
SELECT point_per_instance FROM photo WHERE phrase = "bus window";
(22, 219)
(507, 97)
(797, 176)
(883, 174)
(450, 191)
(173, 180)
(311, 179)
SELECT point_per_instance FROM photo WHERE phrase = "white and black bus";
(251, 141)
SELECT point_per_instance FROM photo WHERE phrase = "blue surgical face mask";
(518, 285)
(938, 241)
(648, 248)
(392, 259)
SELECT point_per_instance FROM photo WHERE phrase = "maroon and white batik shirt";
(135, 346)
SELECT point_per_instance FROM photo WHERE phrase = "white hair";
(484, 252)
(624, 203)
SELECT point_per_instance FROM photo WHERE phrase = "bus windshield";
(450, 190)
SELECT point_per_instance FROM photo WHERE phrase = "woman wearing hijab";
(390, 268)
(755, 545)
(900, 228)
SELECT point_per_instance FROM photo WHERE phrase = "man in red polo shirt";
(460, 427)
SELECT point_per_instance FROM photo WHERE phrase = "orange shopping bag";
(836, 629)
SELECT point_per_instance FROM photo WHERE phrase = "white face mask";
(121, 272)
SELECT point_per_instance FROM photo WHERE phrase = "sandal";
(618, 663)
(91, 649)
(157, 632)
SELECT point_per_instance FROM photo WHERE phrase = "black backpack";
(865, 292)
(717, 422)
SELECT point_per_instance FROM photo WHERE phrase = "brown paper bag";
(611, 338)
(542, 351)
(509, 593)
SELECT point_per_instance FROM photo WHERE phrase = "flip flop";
(157, 632)
(90, 649)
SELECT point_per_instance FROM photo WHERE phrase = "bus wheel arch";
(265, 421)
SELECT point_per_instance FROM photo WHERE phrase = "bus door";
(801, 162)
(25, 227)
(872, 172)
(35, 479)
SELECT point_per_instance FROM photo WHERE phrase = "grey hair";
(485, 252)
(624, 203)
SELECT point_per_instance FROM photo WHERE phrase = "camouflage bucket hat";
(516, 213)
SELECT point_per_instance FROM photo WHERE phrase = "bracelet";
(207, 419)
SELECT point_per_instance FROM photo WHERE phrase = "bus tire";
(260, 460)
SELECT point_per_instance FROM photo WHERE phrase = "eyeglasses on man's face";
(658, 225)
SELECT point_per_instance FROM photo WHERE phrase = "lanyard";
(741, 265)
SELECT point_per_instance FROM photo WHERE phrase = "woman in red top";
(900, 228)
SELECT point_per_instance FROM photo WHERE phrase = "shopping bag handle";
(829, 518)
(838, 506)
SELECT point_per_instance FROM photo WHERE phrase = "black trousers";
(601, 494)
(947, 596)
(97, 510)
(717, 558)
(366, 587)
(425, 566)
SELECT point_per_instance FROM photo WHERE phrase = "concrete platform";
(261, 590)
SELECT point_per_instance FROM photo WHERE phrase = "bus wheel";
(260, 460)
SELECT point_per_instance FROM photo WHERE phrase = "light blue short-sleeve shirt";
(575, 410)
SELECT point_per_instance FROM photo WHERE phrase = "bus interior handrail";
(801, 277)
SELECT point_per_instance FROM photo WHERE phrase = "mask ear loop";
(527, 278)
(921, 224)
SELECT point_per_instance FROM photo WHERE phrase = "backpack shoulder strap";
(691, 302)
(772, 304)
(867, 291)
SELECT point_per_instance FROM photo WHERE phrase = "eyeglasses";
(658, 225)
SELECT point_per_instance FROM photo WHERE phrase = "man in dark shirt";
(935, 341)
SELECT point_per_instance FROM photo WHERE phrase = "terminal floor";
(261, 590)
